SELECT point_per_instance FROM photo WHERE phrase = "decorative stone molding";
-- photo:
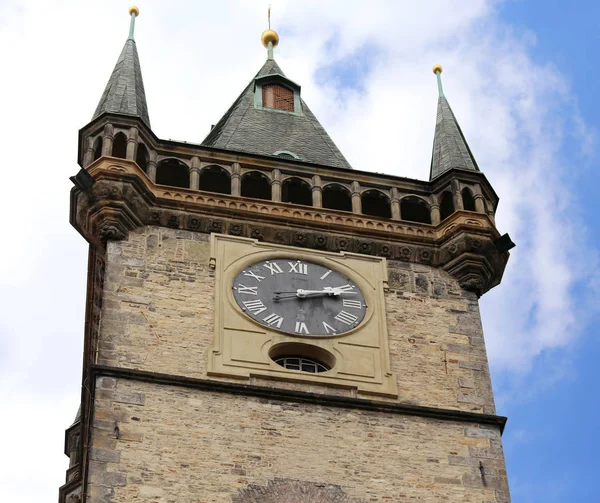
(293, 491)
(124, 198)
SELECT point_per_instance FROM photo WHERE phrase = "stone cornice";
(287, 395)
(124, 198)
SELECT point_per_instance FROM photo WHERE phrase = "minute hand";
(327, 291)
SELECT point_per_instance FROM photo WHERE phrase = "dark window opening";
(296, 191)
(278, 97)
(215, 179)
(468, 201)
(257, 185)
(172, 172)
(447, 205)
(142, 156)
(98, 148)
(120, 146)
(414, 209)
(301, 364)
(337, 197)
(376, 204)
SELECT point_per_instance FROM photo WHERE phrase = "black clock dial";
(299, 297)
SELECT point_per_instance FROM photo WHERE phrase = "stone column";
(88, 155)
(456, 195)
(107, 139)
(276, 186)
(395, 203)
(195, 173)
(151, 168)
(435, 213)
(132, 143)
(317, 192)
(356, 201)
(479, 199)
(236, 179)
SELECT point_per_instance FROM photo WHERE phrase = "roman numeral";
(250, 290)
(325, 275)
(329, 329)
(354, 304)
(298, 267)
(253, 275)
(301, 328)
(273, 267)
(346, 318)
(274, 319)
(255, 306)
(344, 288)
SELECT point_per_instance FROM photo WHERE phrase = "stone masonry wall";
(170, 444)
(158, 316)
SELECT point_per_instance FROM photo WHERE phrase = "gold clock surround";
(243, 348)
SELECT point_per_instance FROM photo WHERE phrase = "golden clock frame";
(243, 348)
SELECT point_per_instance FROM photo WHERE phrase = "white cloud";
(196, 57)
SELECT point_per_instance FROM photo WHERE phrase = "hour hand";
(305, 293)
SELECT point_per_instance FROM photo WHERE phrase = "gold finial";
(437, 68)
(134, 10)
(269, 35)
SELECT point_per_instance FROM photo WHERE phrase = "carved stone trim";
(293, 491)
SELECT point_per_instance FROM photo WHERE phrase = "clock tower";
(265, 323)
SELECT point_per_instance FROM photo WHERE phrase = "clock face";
(299, 297)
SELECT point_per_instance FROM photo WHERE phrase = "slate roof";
(450, 149)
(124, 93)
(245, 128)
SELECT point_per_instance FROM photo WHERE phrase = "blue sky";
(521, 79)
(551, 439)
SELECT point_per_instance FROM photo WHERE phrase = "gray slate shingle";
(124, 93)
(245, 128)
(450, 149)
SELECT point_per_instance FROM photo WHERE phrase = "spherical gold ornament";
(438, 68)
(134, 10)
(269, 36)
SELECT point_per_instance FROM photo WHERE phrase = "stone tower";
(266, 324)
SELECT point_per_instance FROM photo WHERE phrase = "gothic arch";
(337, 197)
(415, 209)
(446, 205)
(215, 179)
(257, 185)
(376, 204)
(120, 146)
(293, 491)
(172, 172)
(468, 200)
(297, 191)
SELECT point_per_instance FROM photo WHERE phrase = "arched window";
(215, 179)
(142, 156)
(278, 97)
(98, 148)
(301, 364)
(120, 146)
(446, 205)
(296, 191)
(257, 185)
(337, 197)
(172, 172)
(414, 209)
(376, 204)
(468, 201)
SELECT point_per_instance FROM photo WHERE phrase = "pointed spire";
(291, 131)
(450, 149)
(124, 93)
